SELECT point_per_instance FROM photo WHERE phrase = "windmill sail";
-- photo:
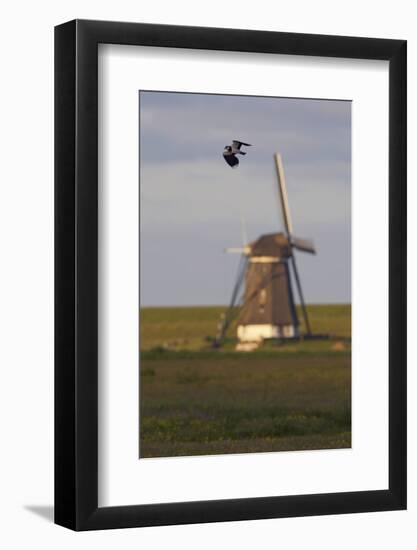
(283, 194)
(295, 242)
(306, 245)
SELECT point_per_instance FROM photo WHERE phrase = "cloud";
(185, 126)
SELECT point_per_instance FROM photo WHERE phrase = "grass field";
(196, 400)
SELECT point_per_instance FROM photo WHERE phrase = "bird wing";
(231, 160)
(237, 144)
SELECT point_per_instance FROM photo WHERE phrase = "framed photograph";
(230, 255)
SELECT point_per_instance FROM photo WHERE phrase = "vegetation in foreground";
(196, 400)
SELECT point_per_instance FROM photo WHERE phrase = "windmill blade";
(283, 194)
(306, 245)
(238, 250)
(230, 314)
(300, 244)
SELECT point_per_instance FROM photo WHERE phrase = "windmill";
(267, 306)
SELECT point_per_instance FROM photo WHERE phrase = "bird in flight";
(230, 152)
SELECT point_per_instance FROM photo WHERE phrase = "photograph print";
(245, 274)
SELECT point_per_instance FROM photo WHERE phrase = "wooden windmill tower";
(267, 306)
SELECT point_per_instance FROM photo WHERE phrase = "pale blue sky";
(192, 202)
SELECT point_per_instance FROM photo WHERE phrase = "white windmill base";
(256, 334)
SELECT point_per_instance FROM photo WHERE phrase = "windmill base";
(258, 333)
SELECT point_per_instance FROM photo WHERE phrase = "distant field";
(195, 400)
(189, 327)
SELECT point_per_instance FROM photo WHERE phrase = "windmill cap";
(272, 244)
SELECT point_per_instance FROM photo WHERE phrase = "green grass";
(191, 328)
(196, 400)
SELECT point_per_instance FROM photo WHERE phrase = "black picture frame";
(76, 273)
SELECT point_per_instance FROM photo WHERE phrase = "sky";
(193, 206)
